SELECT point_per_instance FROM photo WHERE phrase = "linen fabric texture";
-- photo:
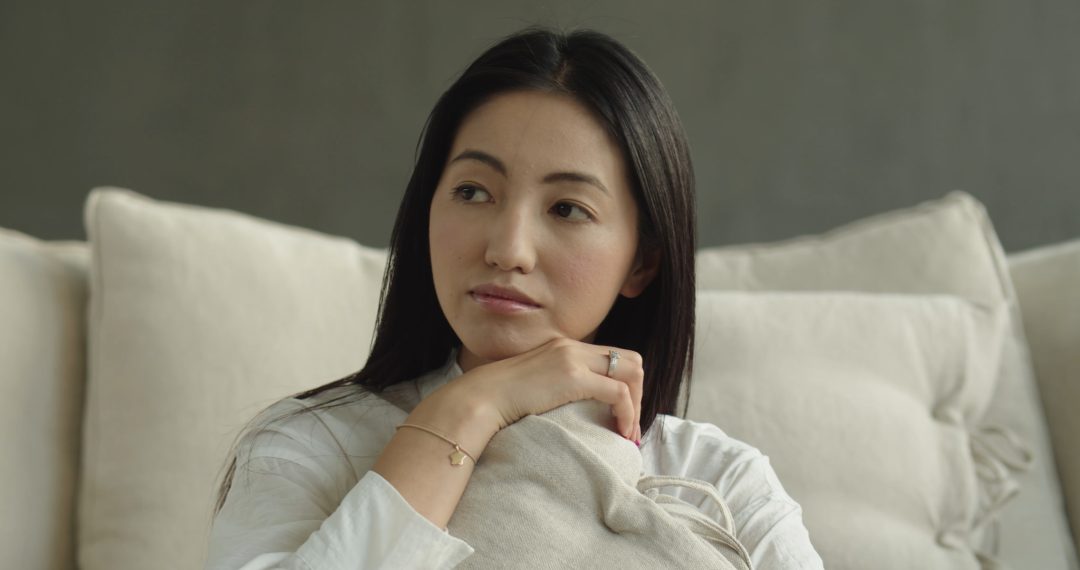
(562, 490)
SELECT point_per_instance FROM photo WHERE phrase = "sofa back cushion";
(199, 318)
(945, 246)
(866, 406)
(42, 363)
(1048, 284)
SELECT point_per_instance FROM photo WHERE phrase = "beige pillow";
(42, 373)
(1048, 283)
(944, 246)
(199, 318)
(598, 509)
(864, 404)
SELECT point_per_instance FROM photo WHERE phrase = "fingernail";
(637, 442)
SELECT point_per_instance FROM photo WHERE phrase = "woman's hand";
(473, 407)
(557, 373)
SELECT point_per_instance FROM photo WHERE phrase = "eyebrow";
(498, 165)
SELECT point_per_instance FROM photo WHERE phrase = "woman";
(543, 254)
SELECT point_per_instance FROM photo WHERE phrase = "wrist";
(460, 415)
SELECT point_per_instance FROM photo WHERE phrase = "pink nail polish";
(637, 442)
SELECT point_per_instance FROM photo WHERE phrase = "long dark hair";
(630, 102)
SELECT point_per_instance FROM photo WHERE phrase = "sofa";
(911, 383)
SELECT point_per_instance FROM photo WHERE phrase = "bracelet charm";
(457, 457)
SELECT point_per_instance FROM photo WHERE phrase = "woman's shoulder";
(686, 436)
(768, 519)
(703, 450)
(344, 420)
(348, 419)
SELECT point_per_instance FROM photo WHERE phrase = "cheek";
(446, 240)
(590, 276)
(445, 250)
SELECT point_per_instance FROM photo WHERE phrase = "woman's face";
(534, 199)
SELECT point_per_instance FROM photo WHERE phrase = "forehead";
(536, 132)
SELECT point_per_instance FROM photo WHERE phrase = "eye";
(572, 212)
(466, 193)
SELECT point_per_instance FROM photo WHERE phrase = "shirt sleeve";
(768, 522)
(299, 507)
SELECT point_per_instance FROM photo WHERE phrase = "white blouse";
(304, 497)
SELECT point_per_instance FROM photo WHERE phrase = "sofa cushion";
(199, 318)
(865, 405)
(42, 372)
(1048, 284)
(944, 246)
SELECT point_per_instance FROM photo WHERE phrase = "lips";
(506, 293)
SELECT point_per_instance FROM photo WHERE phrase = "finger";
(625, 408)
(628, 369)
(615, 393)
(620, 416)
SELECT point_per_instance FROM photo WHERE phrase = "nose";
(510, 243)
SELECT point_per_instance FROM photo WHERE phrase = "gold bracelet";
(457, 458)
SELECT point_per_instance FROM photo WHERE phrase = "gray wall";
(801, 115)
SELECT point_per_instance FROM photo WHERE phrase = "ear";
(645, 268)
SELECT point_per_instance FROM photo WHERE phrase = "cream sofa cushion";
(944, 246)
(864, 404)
(199, 318)
(42, 363)
(1048, 283)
